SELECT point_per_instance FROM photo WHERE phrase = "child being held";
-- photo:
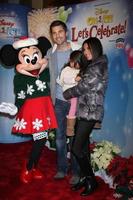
(68, 78)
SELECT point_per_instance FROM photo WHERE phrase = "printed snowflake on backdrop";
(21, 95)
(30, 89)
(37, 124)
(20, 124)
(40, 85)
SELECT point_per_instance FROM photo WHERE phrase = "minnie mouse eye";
(27, 59)
(35, 56)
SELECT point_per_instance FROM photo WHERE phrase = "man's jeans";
(62, 109)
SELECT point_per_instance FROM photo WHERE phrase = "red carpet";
(11, 159)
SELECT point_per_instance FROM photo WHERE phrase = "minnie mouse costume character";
(32, 97)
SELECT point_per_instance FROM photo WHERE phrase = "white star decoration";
(21, 95)
(30, 89)
(37, 124)
(20, 124)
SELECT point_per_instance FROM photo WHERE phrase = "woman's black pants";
(80, 147)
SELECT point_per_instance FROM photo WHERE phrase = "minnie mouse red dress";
(36, 113)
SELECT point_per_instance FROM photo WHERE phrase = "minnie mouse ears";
(24, 42)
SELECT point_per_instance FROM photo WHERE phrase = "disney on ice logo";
(7, 28)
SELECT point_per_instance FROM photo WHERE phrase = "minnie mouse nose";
(33, 61)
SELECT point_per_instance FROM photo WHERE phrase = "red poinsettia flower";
(120, 169)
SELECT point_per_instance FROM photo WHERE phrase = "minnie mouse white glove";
(8, 108)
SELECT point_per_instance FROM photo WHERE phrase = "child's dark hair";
(75, 57)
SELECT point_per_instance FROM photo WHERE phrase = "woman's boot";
(90, 186)
(80, 184)
(70, 126)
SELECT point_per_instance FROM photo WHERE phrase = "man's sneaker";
(59, 175)
(74, 180)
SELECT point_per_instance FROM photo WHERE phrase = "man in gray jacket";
(57, 57)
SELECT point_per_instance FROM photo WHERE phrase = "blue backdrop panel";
(13, 24)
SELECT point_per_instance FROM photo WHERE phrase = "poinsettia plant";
(121, 169)
(50, 143)
(113, 168)
(102, 154)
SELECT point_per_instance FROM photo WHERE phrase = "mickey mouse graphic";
(32, 97)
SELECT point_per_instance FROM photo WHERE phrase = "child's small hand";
(78, 78)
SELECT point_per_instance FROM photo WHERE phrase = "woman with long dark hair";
(90, 91)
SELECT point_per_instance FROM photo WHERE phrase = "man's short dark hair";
(58, 23)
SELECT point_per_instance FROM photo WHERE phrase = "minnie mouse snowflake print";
(40, 85)
(49, 120)
(37, 124)
(21, 95)
(30, 89)
(20, 124)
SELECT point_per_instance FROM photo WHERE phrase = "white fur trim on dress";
(25, 43)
